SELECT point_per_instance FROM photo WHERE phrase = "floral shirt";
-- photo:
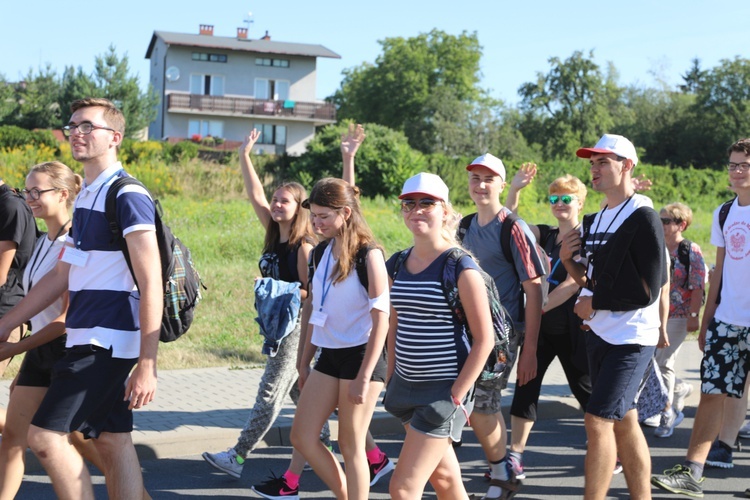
(681, 286)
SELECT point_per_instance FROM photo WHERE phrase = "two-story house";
(224, 86)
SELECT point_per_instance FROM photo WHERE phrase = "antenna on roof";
(248, 20)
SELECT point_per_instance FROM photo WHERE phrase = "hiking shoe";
(678, 479)
(719, 456)
(226, 461)
(669, 420)
(747, 493)
(653, 421)
(380, 469)
(618, 467)
(745, 430)
(682, 391)
(517, 466)
(276, 487)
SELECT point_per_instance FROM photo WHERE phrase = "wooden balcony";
(246, 106)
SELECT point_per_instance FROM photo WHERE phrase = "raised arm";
(350, 142)
(523, 178)
(253, 185)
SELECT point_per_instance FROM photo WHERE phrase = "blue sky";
(645, 40)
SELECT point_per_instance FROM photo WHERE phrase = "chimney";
(241, 33)
(266, 36)
(207, 29)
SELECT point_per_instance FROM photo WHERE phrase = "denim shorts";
(616, 373)
(426, 406)
(726, 359)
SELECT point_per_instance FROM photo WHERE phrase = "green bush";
(16, 137)
(182, 151)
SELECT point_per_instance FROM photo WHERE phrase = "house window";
(271, 134)
(207, 84)
(278, 90)
(205, 128)
(276, 63)
(204, 56)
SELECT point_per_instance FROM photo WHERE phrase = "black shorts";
(86, 393)
(345, 363)
(36, 368)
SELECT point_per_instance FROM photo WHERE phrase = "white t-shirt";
(735, 239)
(43, 259)
(640, 326)
(347, 307)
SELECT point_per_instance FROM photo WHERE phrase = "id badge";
(318, 318)
(74, 256)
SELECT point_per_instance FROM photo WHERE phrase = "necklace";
(595, 248)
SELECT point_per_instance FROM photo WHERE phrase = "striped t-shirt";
(430, 345)
(104, 302)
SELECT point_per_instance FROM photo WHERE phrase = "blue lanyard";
(549, 276)
(326, 289)
(88, 216)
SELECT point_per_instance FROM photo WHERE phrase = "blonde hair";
(61, 177)
(337, 194)
(679, 212)
(569, 184)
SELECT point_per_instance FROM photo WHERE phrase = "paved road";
(554, 464)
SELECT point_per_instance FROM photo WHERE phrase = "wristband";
(459, 404)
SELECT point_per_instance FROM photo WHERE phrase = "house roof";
(232, 43)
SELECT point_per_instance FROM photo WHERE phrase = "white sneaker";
(669, 420)
(653, 421)
(682, 391)
(745, 430)
(226, 461)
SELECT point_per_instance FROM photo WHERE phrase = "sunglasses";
(425, 204)
(566, 199)
(667, 221)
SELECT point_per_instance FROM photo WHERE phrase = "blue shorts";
(426, 406)
(726, 359)
(616, 373)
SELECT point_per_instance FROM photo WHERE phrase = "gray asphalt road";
(554, 465)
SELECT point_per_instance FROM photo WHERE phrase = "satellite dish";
(172, 74)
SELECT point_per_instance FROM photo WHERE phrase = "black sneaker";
(276, 488)
(380, 469)
(680, 480)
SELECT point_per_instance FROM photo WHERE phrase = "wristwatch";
(693, 315)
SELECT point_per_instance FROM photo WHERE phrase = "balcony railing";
(249, 106)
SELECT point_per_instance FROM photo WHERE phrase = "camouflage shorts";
(487, 395)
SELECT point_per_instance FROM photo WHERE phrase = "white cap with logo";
(489, 161)
(425, 184)
(611, 143)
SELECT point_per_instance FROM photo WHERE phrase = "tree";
(384, 160)
(398, 90)
(573, 104)
(35, 101)
(693, 77)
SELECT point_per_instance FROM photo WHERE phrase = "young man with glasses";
(724, 330)
(620, 261)
(112, 326)
(522, 276)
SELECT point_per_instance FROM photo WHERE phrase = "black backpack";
(360, 262)
(498, 360)
(182, 283)
(723, 214)
(505, 237)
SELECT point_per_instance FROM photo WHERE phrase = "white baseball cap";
(490, 161)
(611, 143)
(426, 184)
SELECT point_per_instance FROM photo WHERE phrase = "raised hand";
(351, 140)
(249, 142)
(642, 183)
(524, 176)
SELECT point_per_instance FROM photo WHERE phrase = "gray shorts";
(426, 406)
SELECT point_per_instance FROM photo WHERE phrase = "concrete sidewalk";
(204, 409)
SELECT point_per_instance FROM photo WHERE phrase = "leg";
(633, 450)
(734, 415)
(87, 449)
(122, 469)
(354, 420)
(317, 401)
(22, 405)
(600, 456)
(666, 356)
(418, 462)
(65, 467)
(487, 420)
(706, 427)
(15, 336)
(446, 480)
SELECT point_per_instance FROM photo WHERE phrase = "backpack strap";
(723, 214)
(315, 257)
(360, 262)
(683, 255)
(397, 262)
(110, 213)
(505, 235)
(463, 226)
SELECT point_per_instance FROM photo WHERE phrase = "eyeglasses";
(742, 167)
(667, 221)
(425, 204)
(566, 199)
(84, 128)
(35, 193)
